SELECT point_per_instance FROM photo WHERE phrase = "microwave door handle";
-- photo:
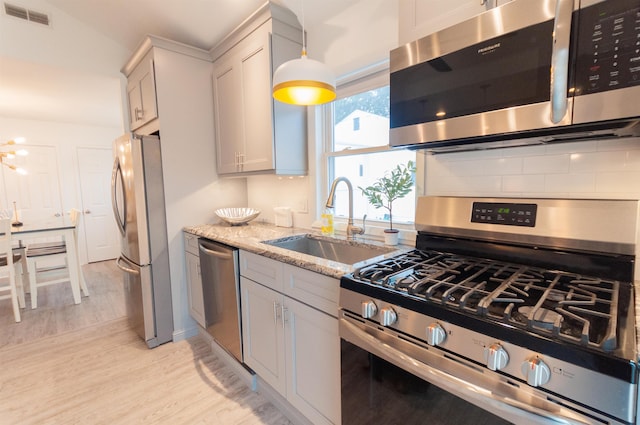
(560, 60)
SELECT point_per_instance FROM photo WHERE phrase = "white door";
(37, 194)
(100, 232)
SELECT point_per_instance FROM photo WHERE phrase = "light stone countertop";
(249, 237)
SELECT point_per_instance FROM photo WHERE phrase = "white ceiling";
(56, 90)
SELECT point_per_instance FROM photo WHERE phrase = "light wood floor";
(81, 364)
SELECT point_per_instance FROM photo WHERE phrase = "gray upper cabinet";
(254, 133)
(141, 93)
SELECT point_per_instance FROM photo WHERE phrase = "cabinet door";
(263, 333)
(141, 93)
(313, 362)
(135, 104)
(148, 92)
(194, 287)
(227, 112)
(257, 101)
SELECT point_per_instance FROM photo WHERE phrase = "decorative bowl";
(237, 216)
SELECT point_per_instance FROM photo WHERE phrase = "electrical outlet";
(302, 206)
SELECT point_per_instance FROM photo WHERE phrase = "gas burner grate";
(579, 309)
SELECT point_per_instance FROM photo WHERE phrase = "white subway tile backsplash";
(562, 183)
(523, 183)
(618, 183)
(543, 164)
(602, 169)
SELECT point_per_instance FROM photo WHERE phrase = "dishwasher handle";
(213, 251)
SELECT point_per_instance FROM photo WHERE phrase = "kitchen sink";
(342, 251)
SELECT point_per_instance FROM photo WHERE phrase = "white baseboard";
(179, 335)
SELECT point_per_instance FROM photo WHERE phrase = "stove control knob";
(536, 372)
(369, 309)
(435, 334)
(496, 356)
(388, 316)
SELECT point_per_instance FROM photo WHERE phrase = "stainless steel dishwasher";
(221, 294)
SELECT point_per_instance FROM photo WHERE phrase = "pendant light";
(304, 81)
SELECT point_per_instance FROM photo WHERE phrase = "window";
(359, 150)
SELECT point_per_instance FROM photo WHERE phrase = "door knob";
(87, 211)
(58, 215)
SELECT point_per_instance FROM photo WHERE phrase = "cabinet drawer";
(311, 288)
(191, 243)
(264, 270)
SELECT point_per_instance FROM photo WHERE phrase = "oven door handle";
(457, 386)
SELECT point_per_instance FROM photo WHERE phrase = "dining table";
(53, 227)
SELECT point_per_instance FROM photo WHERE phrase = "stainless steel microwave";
(529, 71)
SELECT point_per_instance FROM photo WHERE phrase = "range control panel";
(508, 214)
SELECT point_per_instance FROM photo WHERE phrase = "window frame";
(367, 79)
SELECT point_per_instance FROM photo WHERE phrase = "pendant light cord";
(304, 39)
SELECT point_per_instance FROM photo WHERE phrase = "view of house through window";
(360, 153)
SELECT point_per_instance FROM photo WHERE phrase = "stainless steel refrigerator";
(139, 208)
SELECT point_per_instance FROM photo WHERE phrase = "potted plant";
(395, 184)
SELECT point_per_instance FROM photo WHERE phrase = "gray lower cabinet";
(194, 279)
(292, 346)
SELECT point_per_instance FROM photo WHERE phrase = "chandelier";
(10, 154)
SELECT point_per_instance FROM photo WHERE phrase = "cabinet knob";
(139, 113)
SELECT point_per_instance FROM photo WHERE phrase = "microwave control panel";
(608, 46)
(509, 214)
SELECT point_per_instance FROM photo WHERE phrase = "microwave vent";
(26, 14)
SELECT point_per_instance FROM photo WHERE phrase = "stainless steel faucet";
(351, 229)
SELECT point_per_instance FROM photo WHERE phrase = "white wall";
(66, 138)
(59, 86)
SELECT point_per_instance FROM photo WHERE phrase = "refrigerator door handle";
(125, 268)
(116, 176)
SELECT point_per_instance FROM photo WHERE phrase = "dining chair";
(50, 275)
(10, 262)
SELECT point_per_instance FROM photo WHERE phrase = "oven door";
(390, 378)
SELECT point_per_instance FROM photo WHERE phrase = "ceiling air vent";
(26, 14)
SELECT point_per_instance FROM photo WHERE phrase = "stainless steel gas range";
(517, 310)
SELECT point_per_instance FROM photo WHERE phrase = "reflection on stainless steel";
(138, 206)
(221, 293)
(502, 78)
(547, 332)
(341, 251)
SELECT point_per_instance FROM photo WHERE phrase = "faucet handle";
(355, 230)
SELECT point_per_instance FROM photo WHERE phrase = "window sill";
(375, 231)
